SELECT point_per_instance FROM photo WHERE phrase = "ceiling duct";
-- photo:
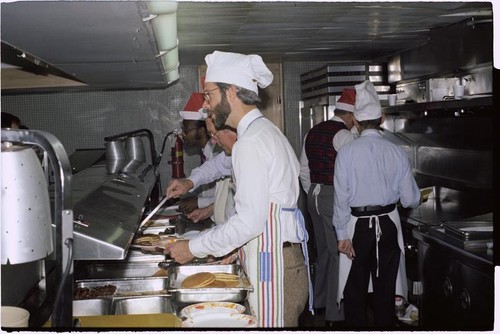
(163, 19)
(95, 44)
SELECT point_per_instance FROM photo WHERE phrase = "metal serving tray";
(113, 270)
(177, 274)
(143, 305)
(91, 307)
(469, 230)
(126, 305)
(135, 255)
(158, 226)
(129, 286)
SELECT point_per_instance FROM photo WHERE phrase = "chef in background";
(11, 121)
(223, 206)
(195, 135)
(317, 163)
(371, 176)
(267, 225)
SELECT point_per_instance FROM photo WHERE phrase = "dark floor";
(317, 322)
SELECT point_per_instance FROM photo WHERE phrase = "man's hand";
(201, 213)
(188, 205)
(178, 187)
(179, 251)
(345, 246)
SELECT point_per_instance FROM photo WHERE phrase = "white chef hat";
(247, 71)
(193, 110)
(367, 105)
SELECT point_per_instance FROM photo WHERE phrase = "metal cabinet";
(458, 290)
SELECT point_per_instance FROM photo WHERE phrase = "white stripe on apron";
(265, 269)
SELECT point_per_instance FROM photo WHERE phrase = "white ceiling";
(107, 44)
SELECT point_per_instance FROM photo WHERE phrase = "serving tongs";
(153, 212)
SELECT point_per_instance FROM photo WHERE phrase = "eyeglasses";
(206, 94)
(186, 131)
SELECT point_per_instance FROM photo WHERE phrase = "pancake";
(226, 277)
(147, 239)
(216, 284)
(232, 284)
(198, 280)
(161, 273)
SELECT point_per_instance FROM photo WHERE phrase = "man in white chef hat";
(371, 176)
(195, 135)
(268, 228)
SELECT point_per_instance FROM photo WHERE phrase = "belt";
(372, 210)
(289, 244)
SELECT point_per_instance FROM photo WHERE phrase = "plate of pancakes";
(153, 242)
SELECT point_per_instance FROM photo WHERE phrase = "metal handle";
(465, 300)
(447, 287)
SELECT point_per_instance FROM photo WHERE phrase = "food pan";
(158, 226)
(143, 305)
(90, 307)
(136, 255)
(122, 287)
(116, 270)
(177, 274)
(469, 230)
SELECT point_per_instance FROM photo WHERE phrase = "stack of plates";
(217, 314)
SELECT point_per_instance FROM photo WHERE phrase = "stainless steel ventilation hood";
(93, 44)
(107, 218)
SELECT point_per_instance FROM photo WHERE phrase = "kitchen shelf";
(466, 102)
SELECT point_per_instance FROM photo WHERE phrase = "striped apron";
(265, 270)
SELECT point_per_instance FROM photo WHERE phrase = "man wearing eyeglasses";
(223, 206)
(268, 228)
(195, 136)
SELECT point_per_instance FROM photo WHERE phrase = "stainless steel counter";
(448, 205)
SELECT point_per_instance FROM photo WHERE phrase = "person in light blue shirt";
(371, 176)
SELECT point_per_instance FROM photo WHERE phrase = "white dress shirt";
(206, 194)
(214, 169)
(266, 171)
(371, 171)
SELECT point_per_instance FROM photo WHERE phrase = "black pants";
(364, 264)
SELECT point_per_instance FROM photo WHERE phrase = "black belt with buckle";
(372, 210)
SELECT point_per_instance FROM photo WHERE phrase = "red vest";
(320, 151)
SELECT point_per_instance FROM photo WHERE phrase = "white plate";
(221, 320)
(160, 223)
(210, 308)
